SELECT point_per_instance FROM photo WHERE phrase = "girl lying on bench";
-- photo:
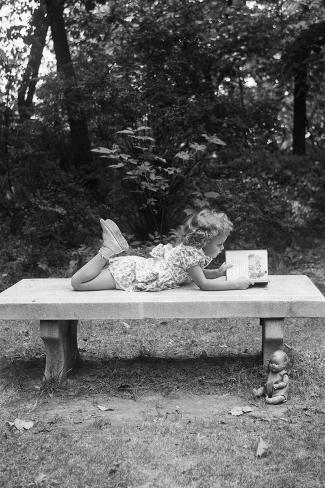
(168, 266)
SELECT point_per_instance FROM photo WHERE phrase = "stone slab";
(54, 299)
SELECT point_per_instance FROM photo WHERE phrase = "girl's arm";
(211, 273)
(197, 275)
(216, 273)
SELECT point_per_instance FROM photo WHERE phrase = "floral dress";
(167, 268)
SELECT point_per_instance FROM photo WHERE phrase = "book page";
(252, 264)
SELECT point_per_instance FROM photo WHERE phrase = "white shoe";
(113, 240)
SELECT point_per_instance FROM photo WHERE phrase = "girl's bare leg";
(92, 276)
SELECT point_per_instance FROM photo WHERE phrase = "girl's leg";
(92, 276)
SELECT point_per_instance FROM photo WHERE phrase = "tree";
(301, 54)
(72, 94)
(27, 87)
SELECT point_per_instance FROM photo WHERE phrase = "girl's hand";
(243, 283)
(223, 269)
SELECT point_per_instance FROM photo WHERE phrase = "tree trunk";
(26, 90)
(299, 111)
(72, 93)
(309, 43)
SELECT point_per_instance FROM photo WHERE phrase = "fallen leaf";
(21, 424)
(236, 411)
(261, 448)
(40, 479)
(247, 409)
(240, 410)
(124, 387)
(105, 409)
(114, 468)
(318, 410)
(259, 416)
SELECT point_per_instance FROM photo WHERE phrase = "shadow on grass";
(140, 375)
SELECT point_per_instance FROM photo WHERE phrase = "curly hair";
(202, 226)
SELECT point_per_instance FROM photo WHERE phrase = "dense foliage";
(186, 104)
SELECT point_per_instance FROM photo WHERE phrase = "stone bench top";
(54, 299)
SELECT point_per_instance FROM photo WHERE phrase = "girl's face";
(215, 246)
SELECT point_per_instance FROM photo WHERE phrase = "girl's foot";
(113, 240)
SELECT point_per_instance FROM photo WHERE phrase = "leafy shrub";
(49, 223)
(151, 182)
(268, 208)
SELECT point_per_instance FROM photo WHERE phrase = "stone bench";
(58, 307)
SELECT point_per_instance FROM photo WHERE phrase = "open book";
(252, 264)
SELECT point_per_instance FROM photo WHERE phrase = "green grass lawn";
(169, 386)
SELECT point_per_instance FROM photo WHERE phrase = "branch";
(30, 76)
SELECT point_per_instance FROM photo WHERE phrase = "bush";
(272, 198)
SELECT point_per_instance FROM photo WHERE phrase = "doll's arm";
(281, 384)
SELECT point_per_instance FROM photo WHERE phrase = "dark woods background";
(187, 104)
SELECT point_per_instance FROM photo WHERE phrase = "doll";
(276, 387)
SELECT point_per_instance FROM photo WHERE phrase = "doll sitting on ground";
(276, 386)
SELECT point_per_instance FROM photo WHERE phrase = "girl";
(169, 267)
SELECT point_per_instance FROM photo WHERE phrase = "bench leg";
(60, 339)
(272, 337)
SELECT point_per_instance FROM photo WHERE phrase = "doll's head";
(205, 226)
(278, 361)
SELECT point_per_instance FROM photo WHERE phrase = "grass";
(171, 392)
(170, 386)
